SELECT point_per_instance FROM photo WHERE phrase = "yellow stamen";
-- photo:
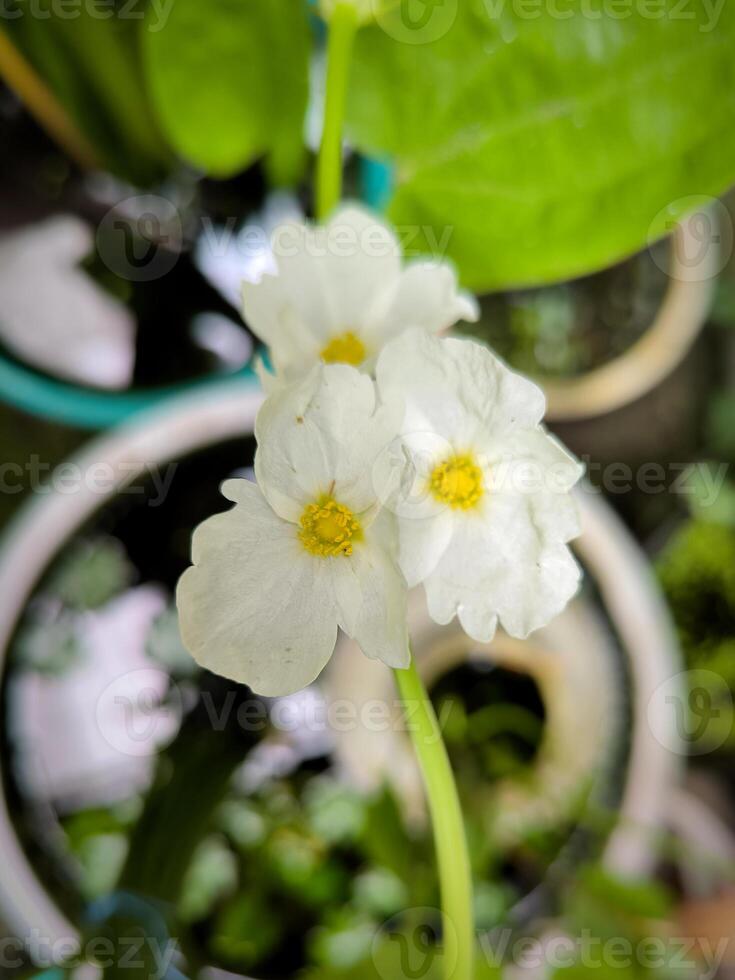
(457, 482)
(328, 528)
(345, 348)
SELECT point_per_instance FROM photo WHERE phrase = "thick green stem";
(342, 28)
(455, 878)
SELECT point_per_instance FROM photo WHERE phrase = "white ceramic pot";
(680, 318)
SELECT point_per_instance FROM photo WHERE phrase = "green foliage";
(711, 499)
(616, 920)
(230, 82)
(333, 811)
(246, 930)
(638, 898)
(721, 424)
(548, 146)
(723, 313)
(49, 648)
(573, 327)
(90, 573)
(164, 645)
(92, 64)
(211, 876)
(98, 840)
(697, 573)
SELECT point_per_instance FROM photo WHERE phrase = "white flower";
(485, 511)
(305, 550)
(341, 294)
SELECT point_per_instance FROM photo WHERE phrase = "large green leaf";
(547, 138)
(229, 79)
(92, 64)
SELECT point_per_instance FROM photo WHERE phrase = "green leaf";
(710, 497)
(642, 897)
(385, 839)
(720, 429)
(92, 64)
(536, 146)
(211, 876)
(49, 648)
(723, 313)
(163, 644)
(229, 79)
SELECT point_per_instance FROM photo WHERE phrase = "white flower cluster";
(387, 457)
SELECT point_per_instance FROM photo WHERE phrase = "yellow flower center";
(345, 348)
(457, 482)
(328, 528)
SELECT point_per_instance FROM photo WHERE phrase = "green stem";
(342, 28)
(449, 833)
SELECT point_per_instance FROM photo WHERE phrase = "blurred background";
(158, 821)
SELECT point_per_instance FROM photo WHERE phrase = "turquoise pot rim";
(87, 408)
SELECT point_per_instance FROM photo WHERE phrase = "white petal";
(532, 460)
(299, 251)
(457, 388)
(282, 322)
(255, 607)
(423, 541)
(362, 265)
(533, 465)
(510, 563)
(373, 592)
(329, 277)
(322, 436)
(426, 296)
(477, 620)
(547, 588)
(461, 576)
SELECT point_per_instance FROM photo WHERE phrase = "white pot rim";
(679, 320)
